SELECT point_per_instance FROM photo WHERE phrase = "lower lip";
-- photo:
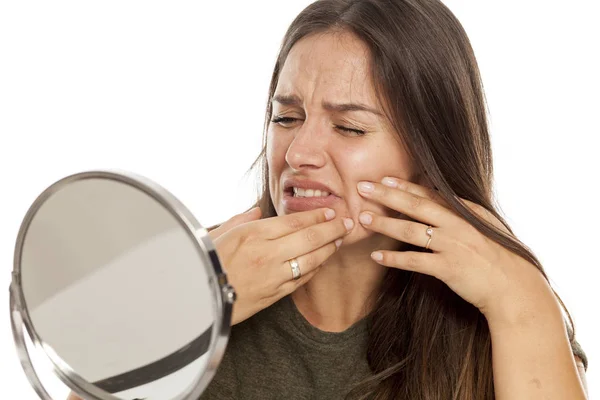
(291, 203)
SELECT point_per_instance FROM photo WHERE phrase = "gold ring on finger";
(429, 232)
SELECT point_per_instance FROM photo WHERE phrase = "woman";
(376, 265)
(386, 92)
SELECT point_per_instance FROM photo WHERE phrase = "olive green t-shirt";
(278, 354)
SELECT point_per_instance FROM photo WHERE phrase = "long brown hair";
(425, 342)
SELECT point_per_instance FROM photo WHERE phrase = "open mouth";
(301, 199)
(307, 193)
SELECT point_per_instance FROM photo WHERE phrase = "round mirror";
(120, 288)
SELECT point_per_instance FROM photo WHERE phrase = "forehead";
(333, 65)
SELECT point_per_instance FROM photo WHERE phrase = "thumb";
(250, 215)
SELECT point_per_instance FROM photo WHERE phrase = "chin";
(359, 234)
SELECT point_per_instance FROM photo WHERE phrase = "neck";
(345, 288)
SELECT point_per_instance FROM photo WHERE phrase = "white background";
(176, 91)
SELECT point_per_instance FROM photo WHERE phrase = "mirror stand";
(18, 327)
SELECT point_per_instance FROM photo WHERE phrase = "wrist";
(534, 308)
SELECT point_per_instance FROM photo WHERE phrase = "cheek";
(372, 163)
(358, 164)
(275, 155)
(276, 151)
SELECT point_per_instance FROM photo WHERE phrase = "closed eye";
(288, 120)
(283, 120)
(343, 128)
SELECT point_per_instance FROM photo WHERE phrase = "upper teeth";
(299, 192)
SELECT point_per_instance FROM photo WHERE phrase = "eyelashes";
(288, 120)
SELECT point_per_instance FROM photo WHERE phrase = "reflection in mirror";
(114, 285)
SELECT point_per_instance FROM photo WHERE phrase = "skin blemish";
(536, 382)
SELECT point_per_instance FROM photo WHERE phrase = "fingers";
(410, 204)
(414, 188)
(309, 265)
(403, 230)
(239, 219)
(311, 238)
(424, 263)
(274, 228)
(433, 195)
(290, 286)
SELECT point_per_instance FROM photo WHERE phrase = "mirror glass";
(116, 289)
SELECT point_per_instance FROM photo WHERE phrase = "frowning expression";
(328, 130)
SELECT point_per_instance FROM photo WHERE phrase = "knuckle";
(258, 260)
(412, 262)
(431, 193)
(436, 196)
(245, 238)
(295, 222)
(415, 201)
(403, 185)
(385, 191)
(312, 236)
(310, 262)
(409, 230)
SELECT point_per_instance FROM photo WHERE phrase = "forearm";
(532, 356)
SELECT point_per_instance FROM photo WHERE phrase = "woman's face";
(333, 133)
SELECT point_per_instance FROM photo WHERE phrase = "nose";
(307, 149)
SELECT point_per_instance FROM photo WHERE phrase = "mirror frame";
(223, 293)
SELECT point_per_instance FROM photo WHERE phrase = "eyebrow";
(293, 100)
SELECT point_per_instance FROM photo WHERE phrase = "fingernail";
(329, 214)
(391, 182)
(366, 187)
(365, 218)
(348, 223)
(338, 243)
(377, 256)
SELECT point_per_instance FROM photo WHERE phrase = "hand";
(255, 254)
(250, 215)
(481, 271)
